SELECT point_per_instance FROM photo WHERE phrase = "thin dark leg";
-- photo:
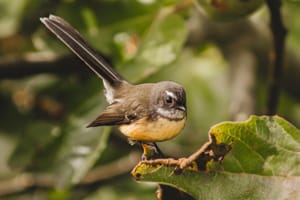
(151, 151)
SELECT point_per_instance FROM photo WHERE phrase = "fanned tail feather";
(74, 41)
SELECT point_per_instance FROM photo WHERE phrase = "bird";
(145, 113)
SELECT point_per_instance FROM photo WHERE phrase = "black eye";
(169, 100)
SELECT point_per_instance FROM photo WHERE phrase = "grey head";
(169, 100)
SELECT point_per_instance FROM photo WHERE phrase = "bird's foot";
(151, 151)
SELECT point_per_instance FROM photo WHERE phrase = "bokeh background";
(48, 96)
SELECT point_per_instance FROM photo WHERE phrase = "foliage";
(47, 99)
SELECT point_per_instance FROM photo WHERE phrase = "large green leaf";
(223, 185)
(262, 145)
(262, 164)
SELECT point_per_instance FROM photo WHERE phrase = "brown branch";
(26, 180)
(208, 151)
(276, 64)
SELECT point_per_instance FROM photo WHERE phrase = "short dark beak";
(182, 108)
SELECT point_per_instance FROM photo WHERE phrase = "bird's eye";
(169, 100)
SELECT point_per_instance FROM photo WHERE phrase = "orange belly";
(152, 131)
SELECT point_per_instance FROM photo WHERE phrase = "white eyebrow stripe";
(171, 94)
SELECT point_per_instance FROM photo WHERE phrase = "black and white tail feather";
(77, 44)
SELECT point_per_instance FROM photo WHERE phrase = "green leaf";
(261, 145)
(96, 22)
(223, 185)
(262, 164)
(160, 46)
(82, 146)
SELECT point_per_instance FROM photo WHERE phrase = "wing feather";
(112, 117)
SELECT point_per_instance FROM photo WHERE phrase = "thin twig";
(184, 163)
(276, 65)
(181, 163)
(208, 151)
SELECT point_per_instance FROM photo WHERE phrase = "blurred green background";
(48, 96)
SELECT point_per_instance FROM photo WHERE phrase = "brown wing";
(112, 116)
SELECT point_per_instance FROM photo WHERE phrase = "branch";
(196, 161)
(279, 32)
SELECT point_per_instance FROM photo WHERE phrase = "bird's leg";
(151, 151)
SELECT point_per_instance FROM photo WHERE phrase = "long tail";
(74, 41)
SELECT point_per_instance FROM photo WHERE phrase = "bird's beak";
(182, 108)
